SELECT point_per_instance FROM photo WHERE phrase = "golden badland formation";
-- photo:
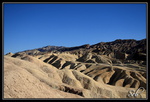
(104, 70)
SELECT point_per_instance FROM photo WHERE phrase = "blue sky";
(29, 26)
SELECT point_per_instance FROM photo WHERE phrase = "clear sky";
(29, 26)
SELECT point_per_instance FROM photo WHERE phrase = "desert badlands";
(114, 69)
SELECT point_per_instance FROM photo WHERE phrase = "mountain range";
(103, 70)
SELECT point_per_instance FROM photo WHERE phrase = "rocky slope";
(129, 49)
(103, 70)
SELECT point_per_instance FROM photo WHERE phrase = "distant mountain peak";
(121, 45)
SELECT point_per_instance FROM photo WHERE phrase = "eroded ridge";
(103, 70)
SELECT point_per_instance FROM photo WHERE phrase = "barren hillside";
(103, 70)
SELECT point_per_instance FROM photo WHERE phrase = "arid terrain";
(103, 70)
